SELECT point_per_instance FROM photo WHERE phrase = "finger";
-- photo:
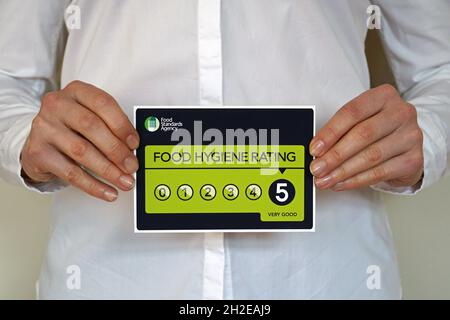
(393, 145)
(401, 167)
(358, 138)
(353, 112)
(68, 171)
(84, 153)
(30, 163)
(104, 105)
(89, 125)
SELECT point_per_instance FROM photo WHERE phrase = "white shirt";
(230, 52)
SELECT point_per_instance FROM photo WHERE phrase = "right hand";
(81, 127)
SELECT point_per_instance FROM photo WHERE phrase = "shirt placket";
(210, 93)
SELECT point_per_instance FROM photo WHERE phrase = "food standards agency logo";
(151, 124)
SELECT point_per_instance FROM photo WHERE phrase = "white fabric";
(210, 93)
(209, 52)
(272, 53)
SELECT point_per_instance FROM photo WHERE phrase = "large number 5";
(282, 191)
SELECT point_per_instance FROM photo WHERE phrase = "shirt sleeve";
(32, 36)
(416, 38)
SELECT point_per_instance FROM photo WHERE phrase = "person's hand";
(373, 138)
(77, 128)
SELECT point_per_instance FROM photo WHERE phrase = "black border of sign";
(307, 225)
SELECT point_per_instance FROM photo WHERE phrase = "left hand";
(373, 138)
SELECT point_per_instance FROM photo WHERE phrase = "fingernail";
(110, 196)
(323, 182)
(317, 148)
(127, 181)
(317, 167)
(131, 164)
(132, 141)
(338, 186)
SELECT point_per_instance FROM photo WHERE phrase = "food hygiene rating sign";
(205, 169)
